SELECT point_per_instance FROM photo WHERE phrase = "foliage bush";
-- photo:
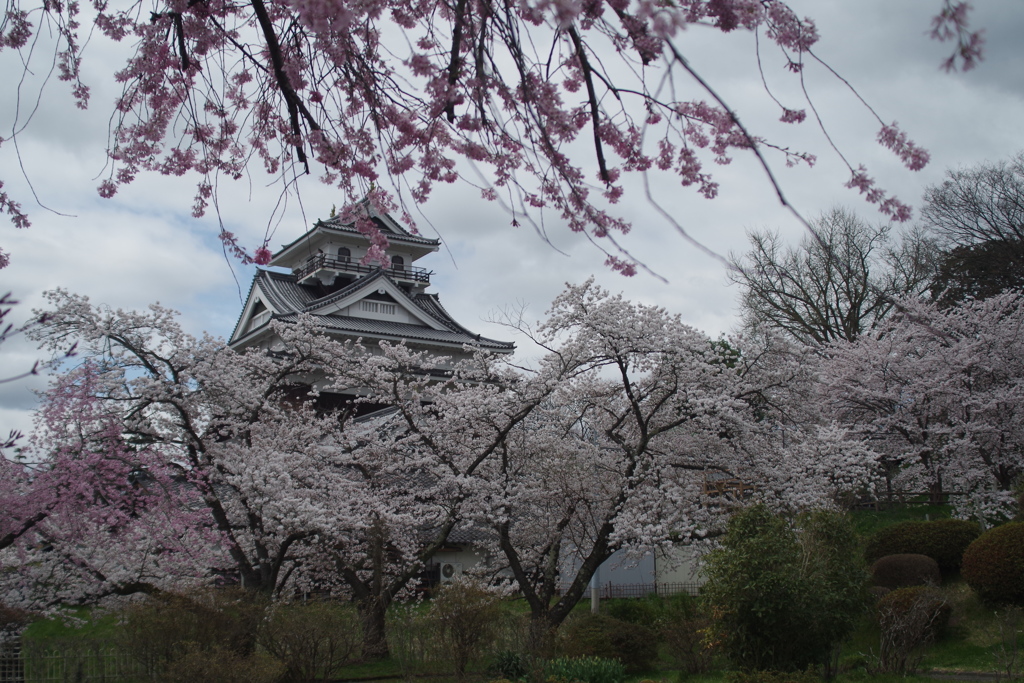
(311, 639)
(412, 640)
(779, 602)
(198, 663)
(686, 629)
(909, 618)
(598, 635)
(465, 616)
(899, 571)
(994, 565)
(166, 627)
(943, 540)
(586, 670)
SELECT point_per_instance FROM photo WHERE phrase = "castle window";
(344, 254)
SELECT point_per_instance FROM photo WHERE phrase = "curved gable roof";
(288, 299)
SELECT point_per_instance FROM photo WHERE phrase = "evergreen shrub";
(994, 565)
(943, 540)
(508, 665)
(783, 601)
(900, 571)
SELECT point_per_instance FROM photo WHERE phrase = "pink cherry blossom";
(403, 90)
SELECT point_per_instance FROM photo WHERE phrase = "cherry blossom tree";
(416, 464)
(204, 411)
(617, 457)
(88, 514)
(604, 445)
(410, 93)
(938, 394)
(302, 494)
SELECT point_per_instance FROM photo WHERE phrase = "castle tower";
(353, 300)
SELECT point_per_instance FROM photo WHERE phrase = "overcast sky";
(144, 246)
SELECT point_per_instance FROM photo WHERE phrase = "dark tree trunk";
(373, 612)
(542, 635)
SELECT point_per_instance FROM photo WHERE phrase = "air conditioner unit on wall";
(450, 571)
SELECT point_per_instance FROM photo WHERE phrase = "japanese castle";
(352, 299)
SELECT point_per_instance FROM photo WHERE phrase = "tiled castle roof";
(289, 298)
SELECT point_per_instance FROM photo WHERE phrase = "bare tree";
(836, 283)
(978, 216)
(980, 204)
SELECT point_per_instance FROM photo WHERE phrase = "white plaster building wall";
(679, 565)
(468, 557)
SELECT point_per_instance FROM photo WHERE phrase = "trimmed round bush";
(994, 564)
(597, 635)
(909, 569)
(943, 540)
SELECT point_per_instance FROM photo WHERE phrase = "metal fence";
(641, 590)
(70, 662)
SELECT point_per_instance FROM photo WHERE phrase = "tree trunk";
(373, 612)
(935, 495)
(542, 635)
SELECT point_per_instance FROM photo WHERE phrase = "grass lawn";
(867, 522)
(83, 623)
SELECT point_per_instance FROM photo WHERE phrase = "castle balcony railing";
(321, 262)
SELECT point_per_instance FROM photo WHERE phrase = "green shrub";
(909, 618)
(899, 571)
(994, 564)
(598, 635)
(586, 670)
(781, 602)
(943, 540)
(311, 639)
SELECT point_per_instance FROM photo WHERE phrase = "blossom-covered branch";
(402, 93)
